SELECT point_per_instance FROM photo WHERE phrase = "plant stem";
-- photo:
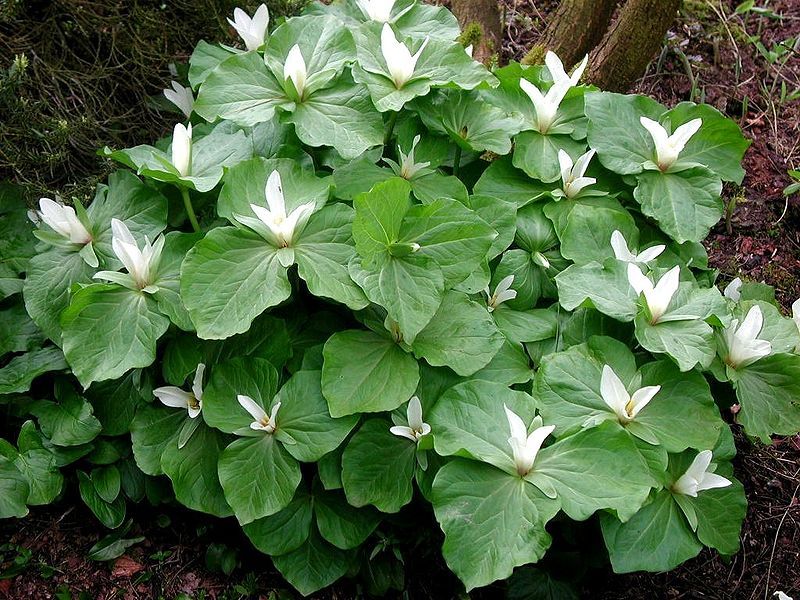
(456, 161)
(390, 129)
(187, 204)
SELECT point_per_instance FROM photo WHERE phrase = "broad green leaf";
(110, 514)
(379, 215)
(688, 343)
(167, 279)
(44, 479)
(242, 89)
(470, 122)
(18, 333)
(259, 477)
(584, 227)
(106, 481)
(204, 59)
(720, 513)
(193, 471)
(769, 393)
(341, 524)
(68, 422)
(14, 490)
(482, 542)
(537, 154)
(284, 531)
(267, 338)
(313, 565)
(501, 215)
(115, 402)
(304, 416)
(594, 469)
(108, 330)
(469, 420)
(364, 372)
(17, 243)
(503, 181)
(532, 281)
(229, 278)
(604, 287)
(526, 325)
(657, 538)
(340, 116)
(718, 144)
(49, 280)
(378, 467)
(623, 145)
(685, 204)
(509, 366)
(152, 430)
(253, 377)
(462, 335)
(21, 370)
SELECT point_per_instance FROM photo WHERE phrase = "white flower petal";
(197, 384)
(254, 409)
(414, 413)
(613, 391)
(516, 425)
(621, 251)
(403, 431)
(173, 396)
(650, 253)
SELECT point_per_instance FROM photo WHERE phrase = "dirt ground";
(760, 241)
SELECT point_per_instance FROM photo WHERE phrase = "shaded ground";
(760, 241)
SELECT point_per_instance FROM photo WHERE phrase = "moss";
(472, 34)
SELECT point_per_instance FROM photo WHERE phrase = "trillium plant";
(365, 275)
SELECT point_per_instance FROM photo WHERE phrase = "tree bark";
(574, 29)
(481, 27)
(624, 53)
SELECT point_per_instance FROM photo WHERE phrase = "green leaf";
(509, 366)
(108, 330)
(688, 343)
(152, 430)
(193, 471)
(115, 402)
(501, 180)
(623, 145)
(657, 538)
(720, 513)
(364, 372)
(685, 204)
(304, 416)
(340, 116)
(14, 490)
(44, 479)
(17, 243)
(604, 287)
(222, 300)
(69, 422)
(112, 546)
(253, 377)
(314, 565)
(18, 333)
(205, 58)
(340, 524)
(19, 373)
(769, 393)
(284, 531)
(259, 477)
(378, 467)
(110, 514)
(537, 154)
(242, 89)
(594, 469)
(462, 335)
(379, 215)
(718, 144)
(483, 543)
(502, 216)
(107, 483)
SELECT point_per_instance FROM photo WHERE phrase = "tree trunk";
(574, 29)
(629, 45)
(480, 23)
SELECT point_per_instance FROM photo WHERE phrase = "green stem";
(187, 204)
(457, 161)
(390, 130)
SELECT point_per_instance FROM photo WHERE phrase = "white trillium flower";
(782, 596)
(295, 69)
(181, 97)
(546, 105)
(63, 220)
(182, 149)
(733, 290)
(416, 426)
(668, 147)
(626, 406)
(502, 293)
(409, 168)
(659, 296)
(281, 229)
(622, 252)
(699, 477)
(377, 10)
(572, 174)
(742, 341)
(141, 265)
(796, 313)
(252, 31)
(525, 446)
(262, 421)
(469, 49)
(178, 398)
(398, 59)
